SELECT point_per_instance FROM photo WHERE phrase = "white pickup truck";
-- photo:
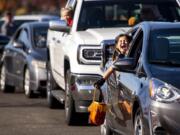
(75, 53)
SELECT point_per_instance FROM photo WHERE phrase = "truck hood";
(96, 36)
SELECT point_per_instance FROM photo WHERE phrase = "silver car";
(23, 63)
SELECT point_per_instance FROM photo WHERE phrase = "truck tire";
(3, 86)
(51, 85)
(70, 113)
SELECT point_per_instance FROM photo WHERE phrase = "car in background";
(143, 94)
(24, 60)
(3, 41)
(20, 19)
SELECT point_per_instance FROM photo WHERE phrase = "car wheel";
(69, 102)
(138, 124)
(3, 86)
(105, 129)
(27, 87)
(51, 85)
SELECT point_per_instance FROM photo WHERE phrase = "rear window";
(97, 14)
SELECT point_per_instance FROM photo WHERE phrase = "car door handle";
(58, 41)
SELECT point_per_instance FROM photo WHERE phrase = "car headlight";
(89, 54)
(40, 64)
(163, 92)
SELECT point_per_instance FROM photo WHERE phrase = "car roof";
(34, 17)
(160, 25)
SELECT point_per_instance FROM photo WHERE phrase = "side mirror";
(124, 64)
(59, 25)
(18, 44)
(107, 48)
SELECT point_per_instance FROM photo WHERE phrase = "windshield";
(40, 35)
(103, 14)
(165, 47)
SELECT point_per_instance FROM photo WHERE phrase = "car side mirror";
(124, 64)
(18, 44)
(59, 25)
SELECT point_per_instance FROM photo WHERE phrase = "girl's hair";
(69, 10)
(129, 38)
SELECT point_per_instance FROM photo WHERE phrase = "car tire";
(3, 86)
(105, 129)
(70, 113)
(27, 86)
(51, 85)
(138, 123)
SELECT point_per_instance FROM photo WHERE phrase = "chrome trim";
(83, 60)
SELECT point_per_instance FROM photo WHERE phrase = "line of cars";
(23, 63)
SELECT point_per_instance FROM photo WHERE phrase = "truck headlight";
(163, 92)
(40, 64)
(89, 54)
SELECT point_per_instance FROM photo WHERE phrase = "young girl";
(121, 47)
(66, 14)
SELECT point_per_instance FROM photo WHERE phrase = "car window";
(40, 37)
(165, 46)
(96, 14)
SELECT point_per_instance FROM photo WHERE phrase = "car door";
(127, 85)
(20, 55)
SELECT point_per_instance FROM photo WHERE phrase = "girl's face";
(122, 45)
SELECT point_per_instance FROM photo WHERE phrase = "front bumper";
(82, 90)
(165, 117)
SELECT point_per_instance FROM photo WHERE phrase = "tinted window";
(40, 36)
(96, 14)
(165, 46)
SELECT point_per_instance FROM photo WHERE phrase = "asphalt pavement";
(22, 116)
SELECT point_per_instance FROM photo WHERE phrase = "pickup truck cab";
(75, 53)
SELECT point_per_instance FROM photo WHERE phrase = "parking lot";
(23, 116)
